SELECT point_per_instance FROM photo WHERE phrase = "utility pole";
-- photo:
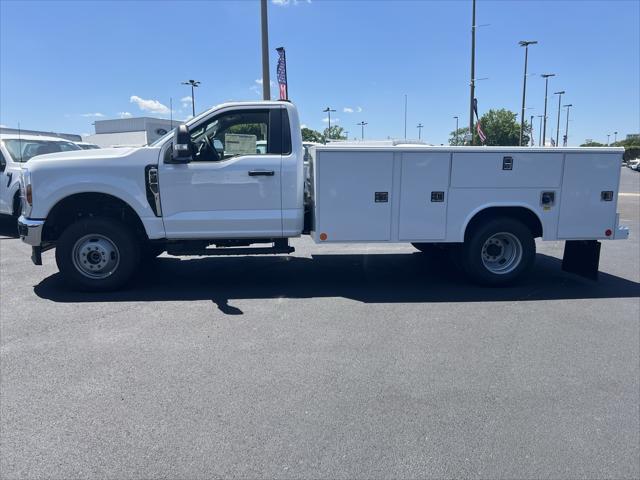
(546, 88)
(540, 131)
(525, 44)
(456, 131)
(194, 84)
(566, 130)
(473, 67)
(558, 126)
(266, 83)
(420, 131)
(328, 111)
(362, 124)
(405, 116)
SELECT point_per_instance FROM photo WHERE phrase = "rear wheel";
(97, 254)
(498, 252)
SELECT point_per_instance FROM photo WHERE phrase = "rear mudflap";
(582, 257)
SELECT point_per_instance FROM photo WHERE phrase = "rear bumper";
(620, 232)
(30, 231)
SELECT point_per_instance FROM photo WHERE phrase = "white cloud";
(333, 120)
(153, 106)
(347, 110)
(284, 3)
(257, 86)
(304, 125)
(92, 115)
(124, 114)
(358, 109)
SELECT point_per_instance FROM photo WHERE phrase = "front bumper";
(30, 231)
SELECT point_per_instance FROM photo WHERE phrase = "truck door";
(5, 200)
(232, 188)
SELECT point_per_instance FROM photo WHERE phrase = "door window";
(232, 134)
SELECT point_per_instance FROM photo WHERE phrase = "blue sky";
(65, 64)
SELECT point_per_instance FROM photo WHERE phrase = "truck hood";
(104, 157)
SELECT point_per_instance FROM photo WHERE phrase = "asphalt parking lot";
(336, 362)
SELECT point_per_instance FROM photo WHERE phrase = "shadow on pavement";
(8, 227)
(376, 278)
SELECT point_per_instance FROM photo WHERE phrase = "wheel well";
(522, 214)
(74, 207)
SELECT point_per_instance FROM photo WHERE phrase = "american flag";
(282, 73)
(483, 137)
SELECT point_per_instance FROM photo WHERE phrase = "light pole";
(531, 130)
(546, 88)
(362, 124)
(473, 66)
(328, 111)
(405, 116)
(420, 131)
(540, 130)
(525, 44)
(346, 134)
(608, 135)
(266, 84)
(558, 125)
(455, 133)
(194, 84)
(615, 137)
(566, 129)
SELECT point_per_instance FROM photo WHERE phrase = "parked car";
(16, 150)
(87, 145)
(634, 164)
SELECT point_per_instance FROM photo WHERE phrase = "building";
(129, 132)
(68, 136)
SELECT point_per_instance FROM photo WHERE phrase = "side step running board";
(279, 247)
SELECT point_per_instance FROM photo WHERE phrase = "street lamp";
(540, 130)
(328, 111)
(420, 131)
(608, 135)
(362, 124)
(531, 130)
(194, 84)
(346, 134)
(558, 126)
(615, 137)
(456, 130)
(546, 88)
(566, 130)
(525, 44)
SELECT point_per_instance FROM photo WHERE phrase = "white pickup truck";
(233, 181)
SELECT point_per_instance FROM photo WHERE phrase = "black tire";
(478, 259)
(79, 234)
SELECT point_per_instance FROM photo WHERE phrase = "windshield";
(23, 150)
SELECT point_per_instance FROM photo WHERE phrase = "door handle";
(259, 173)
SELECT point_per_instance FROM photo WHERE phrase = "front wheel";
(97, 254)
(498, 252)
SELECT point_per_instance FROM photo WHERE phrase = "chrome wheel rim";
(95, 256)
(501, 253)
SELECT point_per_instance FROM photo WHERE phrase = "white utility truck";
(232, 181)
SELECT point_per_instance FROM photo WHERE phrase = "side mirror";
(181, 145)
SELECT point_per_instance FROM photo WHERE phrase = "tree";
(309, 135)
(336, 132)
(592, 144)
(500, 128)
